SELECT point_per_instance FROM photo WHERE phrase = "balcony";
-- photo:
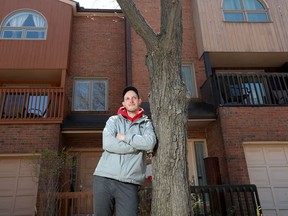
(246, 89)
(31, 105)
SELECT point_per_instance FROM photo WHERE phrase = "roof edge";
(81, 11)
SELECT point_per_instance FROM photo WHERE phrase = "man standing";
(121, 169)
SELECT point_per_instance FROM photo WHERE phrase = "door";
(268, 170)
(85, 163)
(88, 163)
(18, 186)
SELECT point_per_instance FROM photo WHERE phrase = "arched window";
(24, 25)
(245, 11)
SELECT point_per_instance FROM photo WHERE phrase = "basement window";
(24, 25)
(245, 11)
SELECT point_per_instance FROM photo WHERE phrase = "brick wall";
(215, 148)
(83, 141)
(98, 51)
(240, 124)
(28, 138)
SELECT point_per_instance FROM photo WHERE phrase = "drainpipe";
(128, 57)
(207, 62)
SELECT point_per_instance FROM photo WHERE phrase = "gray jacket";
(126, 160)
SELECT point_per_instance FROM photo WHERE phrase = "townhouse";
(63, 67)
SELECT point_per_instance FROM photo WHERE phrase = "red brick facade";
(98, 51)
(249, 124)
(29, 138)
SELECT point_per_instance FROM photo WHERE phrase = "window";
(245, 11)
(90, 95)
(188, 77)
(197, 151)
(24, 25)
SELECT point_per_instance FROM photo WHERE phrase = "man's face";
(131, 101)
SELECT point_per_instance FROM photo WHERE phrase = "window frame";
(90, 102)
(193, 165)
(194, 93)
(23, 30)
(245, 12)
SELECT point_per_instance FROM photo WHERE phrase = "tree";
(168, 103)
(52, 166)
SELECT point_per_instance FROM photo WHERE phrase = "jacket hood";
(122, 111)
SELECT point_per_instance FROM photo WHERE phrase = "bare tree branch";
(170, 12)
(138, 23)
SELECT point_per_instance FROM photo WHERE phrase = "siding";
(215, 35)
(51, 53)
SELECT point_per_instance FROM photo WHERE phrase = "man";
(121, 168)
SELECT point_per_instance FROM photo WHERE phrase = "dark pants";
(110, 193)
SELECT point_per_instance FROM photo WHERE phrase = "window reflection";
(188, 77)
(90, 95)
(245, 11)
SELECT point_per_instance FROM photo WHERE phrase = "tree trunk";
(168, 104)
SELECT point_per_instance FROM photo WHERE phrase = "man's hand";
(120, 136)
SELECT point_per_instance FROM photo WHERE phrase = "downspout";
(207, 62)
(128, 55)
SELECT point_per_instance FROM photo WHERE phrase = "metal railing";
(31, 104)
(246, 89)
(226, 200)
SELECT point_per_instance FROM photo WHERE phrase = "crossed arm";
(119, 143)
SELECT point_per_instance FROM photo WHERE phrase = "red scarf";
(123, 112)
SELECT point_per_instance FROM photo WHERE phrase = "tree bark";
(168, 103)
(168, 107)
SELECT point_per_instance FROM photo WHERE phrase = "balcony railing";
(67, 203)
(207, 200)
(246, 89)
(226, 200)
(31, 104)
